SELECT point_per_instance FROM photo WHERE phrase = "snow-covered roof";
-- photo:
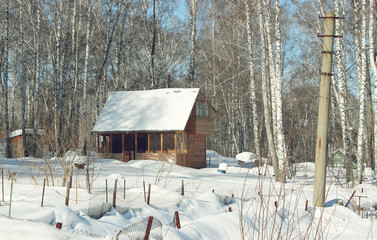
(150, 110)
(18, 132)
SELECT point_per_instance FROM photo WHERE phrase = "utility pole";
(323, 112)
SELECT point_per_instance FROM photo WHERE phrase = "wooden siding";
(16, 147)
(191, 123)
(34, 147)
(196, 152)
(204, 125)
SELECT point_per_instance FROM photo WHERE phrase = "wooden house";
(163, 124)
(33, 144)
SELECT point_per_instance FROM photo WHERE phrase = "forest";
(257, 61)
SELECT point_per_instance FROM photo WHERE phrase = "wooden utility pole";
(323, 112)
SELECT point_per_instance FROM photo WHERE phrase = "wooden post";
(349, 200)
(70, 177)
(175, 142)
(76, 191)
(107, 200)
(177, 221)
(306, 205)
(135, 143)
(124, 188)
(43, 191)
(323, 113)
(182, 135)
(59, 225)
(213, 190)
(230, 209)
(67, 194)
(183, 189)
(149, 226)
(2, 183)
(145, 197)
(115, 192)
(149, 142)
(10, 199)
(149, 194)
(276, 205)
(162, 142)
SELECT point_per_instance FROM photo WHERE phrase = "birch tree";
(361, 67)
(193, 9)
(6, 78)
(267, 116)
(254, 118)
(340, 58)
(373, 64)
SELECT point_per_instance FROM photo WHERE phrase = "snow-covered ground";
(260, 209)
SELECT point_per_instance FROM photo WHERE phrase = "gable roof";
(150, 110)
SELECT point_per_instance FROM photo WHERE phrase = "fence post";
(43, 191)
(11, 192)
(124, 188)
(107, 199)
(59, 225)
(306, 205)
(149, 194)
(177, 220)
(115, 192)
(76, 192)
(230, 209)
(350, 198)
(149, 226)
(2, 182)
(145, 198)
(183, 188)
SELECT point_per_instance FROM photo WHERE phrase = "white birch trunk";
(192, 10)
(267, 117)
(341, 74)
(361, 53)
(372, 59)
(254, 119)
(281, 151)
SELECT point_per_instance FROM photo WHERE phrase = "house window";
(202, 110)
(191, 140)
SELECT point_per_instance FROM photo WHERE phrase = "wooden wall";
(196, 152)
(34, 147)
(205, 125)
(16, 147)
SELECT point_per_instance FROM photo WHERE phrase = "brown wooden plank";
(175, 142)
(135, 142)
(162, 142)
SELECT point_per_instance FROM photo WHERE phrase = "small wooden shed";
(33, 143)
(163, 124)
